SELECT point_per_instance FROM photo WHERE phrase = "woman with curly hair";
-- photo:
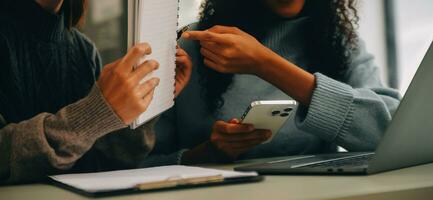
(306, 50)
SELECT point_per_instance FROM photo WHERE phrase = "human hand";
(120, 83)
(230, 50)
(233, 138)
(183, 70)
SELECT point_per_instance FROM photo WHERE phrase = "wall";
(372, 31)
(414, 26)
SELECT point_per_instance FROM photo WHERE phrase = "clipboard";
(176, 182)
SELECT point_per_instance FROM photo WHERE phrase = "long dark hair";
(74, 11)
(332, 37)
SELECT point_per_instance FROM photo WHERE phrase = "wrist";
(263, 60)
(82, 116)
(275, 69)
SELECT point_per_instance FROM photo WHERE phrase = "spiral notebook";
(155, 22)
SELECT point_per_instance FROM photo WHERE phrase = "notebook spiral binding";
(177, 24)
(133, 26)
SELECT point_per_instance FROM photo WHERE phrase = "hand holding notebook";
(123, 88)
(155, 22)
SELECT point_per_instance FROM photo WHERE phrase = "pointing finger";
(206, 36)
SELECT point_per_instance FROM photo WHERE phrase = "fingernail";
(185, 35)
(156, 82)
(153, 64)
(233, 121)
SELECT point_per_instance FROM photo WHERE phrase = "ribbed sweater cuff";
(329, 108)
(92, 117)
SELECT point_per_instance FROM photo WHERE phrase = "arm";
(124, 148)
(353, 114)
(131, 147)
(223, 49)
(49, 143)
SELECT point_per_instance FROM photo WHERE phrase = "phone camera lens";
(284, 114)
(288, 109)
(276, 112)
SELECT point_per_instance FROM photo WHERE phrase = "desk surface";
(413, 183)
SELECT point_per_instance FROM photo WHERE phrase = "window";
(413, 34)
(106, 25)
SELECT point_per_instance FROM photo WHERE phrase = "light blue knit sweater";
(353, 114)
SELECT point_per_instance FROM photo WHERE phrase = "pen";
(176, 182)
(181, 31)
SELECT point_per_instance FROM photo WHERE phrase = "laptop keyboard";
(347, 162)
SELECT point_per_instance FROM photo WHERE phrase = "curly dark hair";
(331, 42)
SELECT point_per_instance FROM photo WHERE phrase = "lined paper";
(156, 22)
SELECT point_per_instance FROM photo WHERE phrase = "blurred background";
(397, 32)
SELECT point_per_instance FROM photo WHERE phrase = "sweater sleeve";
(124, 148)
(353, 114)
(50, 143)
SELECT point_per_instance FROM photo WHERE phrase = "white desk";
(410, 183)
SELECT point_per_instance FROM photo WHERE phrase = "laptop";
(408, 140)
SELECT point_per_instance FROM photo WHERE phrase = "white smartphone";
(269, 115)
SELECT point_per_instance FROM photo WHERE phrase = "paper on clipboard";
(147, 178)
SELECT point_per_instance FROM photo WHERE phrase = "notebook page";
(126, 179)
(157, 25)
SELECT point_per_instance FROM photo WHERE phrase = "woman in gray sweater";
(59, 111)
(306, 50)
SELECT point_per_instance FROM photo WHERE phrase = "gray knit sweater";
(353, 114)
(53, 117)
